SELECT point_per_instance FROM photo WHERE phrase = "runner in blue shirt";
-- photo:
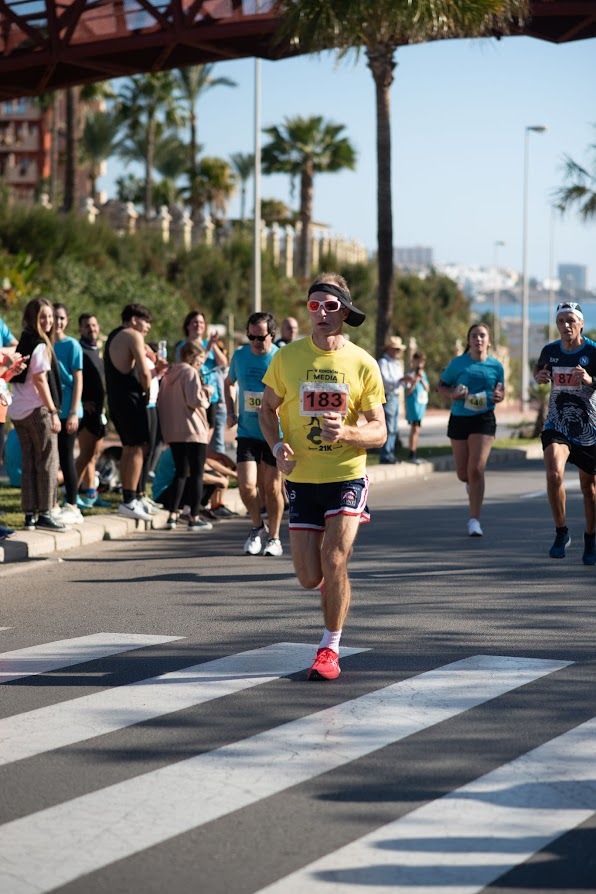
(474, 382)
(569, 434)
(257, 467)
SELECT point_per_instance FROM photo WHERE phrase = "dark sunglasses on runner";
(330, 304)
(260, 338)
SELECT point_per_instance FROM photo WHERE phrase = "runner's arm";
(137, 348)
(372, 434)
(269, 422)
(268, 418)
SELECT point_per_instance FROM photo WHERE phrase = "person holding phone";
(474, 382)
(569, 433)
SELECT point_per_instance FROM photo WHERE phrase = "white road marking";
(66, 652)
(61, 843)
(466, 840)
(572, 484)
(54, 726)
(6, 628)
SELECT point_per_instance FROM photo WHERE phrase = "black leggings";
(189, 459)
(66, 445)
(153, 427)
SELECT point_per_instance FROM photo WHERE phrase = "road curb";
(41, 544)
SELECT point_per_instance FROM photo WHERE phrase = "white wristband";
(276, 448)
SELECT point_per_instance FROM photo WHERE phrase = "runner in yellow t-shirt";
(317, 387)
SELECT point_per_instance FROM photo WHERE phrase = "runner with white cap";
(569, 434)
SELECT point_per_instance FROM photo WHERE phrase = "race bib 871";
(563, 379)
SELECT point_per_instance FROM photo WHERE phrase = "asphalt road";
(456, 752)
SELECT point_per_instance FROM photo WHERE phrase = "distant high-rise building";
(573, 277)
(24, 146)
(416, 257)
(26, 151)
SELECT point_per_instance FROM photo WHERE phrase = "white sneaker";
(147, 507)
(71, 515)
(474, 529)
(254, 542)
(273, 547)
(134, 509)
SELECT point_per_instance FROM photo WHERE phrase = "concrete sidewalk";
(110, 526)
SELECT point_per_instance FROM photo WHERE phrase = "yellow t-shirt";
(311, 382)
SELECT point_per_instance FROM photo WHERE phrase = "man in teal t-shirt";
(257, 467)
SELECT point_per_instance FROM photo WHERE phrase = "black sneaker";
(589, 556)
(51, 524)
(561, 542)
(30, 520)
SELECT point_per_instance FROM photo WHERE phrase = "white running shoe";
(71, 515)
(474, 529)
(147, 507)
(134, 509)
(200, 525)
(254, 542)
(273, 547)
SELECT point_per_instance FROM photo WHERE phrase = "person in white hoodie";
(182, 404)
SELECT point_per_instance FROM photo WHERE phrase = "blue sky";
(459, 110)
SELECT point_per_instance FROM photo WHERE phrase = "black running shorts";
(461, 427)
(312, 504)
(254, 450)
(581, 455)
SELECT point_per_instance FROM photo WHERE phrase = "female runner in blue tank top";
(474, 382)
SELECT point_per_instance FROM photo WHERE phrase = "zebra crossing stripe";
(467, 839)
(34, 732)
(61, 843)
(65, 652)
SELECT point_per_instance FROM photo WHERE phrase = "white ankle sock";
(330, 640)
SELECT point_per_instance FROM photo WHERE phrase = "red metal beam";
(79, 41)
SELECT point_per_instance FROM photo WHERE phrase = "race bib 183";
(317, 398)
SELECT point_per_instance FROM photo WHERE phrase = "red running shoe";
(325, 666)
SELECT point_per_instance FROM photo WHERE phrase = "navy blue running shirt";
(572, 408)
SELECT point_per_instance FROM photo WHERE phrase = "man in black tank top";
(127, 384)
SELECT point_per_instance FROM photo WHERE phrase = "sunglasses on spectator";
(330, 304)
(260, 338)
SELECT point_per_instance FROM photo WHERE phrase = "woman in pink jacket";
(182, 405)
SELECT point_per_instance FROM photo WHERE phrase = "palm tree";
(381, 28)
(77, 102)
(213, 186)
(303, 147)
(244, 166)
(71, 156)
(142, 99)
(580, 190)
(100, 135)
(171, 161)
(192, 83)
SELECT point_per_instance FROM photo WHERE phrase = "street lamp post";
(496, 295)
(525, 373)
(256, 265)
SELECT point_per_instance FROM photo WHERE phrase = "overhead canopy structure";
(49, 44)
